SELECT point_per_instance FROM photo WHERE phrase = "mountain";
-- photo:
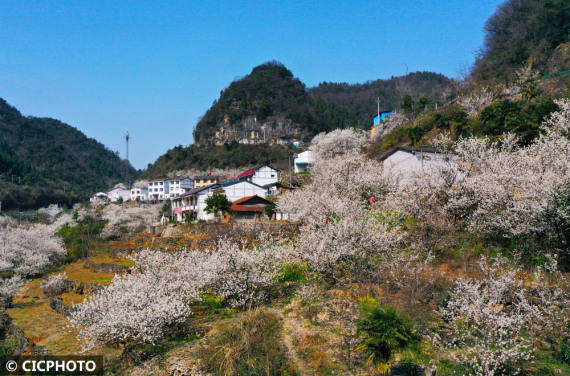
(44, 161)
(256, 118)
(270, 105)
(525, 32)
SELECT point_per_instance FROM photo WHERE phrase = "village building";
(203, 181)
(119, 193)
(303, 161)
(139, 194)
(179, 186)
(402, 163)
(265, 176)
(158, 190)
(194, 201)
(98, 196)
(251, 208)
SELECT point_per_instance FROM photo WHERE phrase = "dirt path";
(288, 328)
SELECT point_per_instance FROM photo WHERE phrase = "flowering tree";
(156, 295)
(473, 102)
(27, 250)
(337, 142)
(339, 217)
(493, 320)
(131, 217)
(56, 284)
(496, 187)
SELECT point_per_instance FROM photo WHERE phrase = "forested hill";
(357, 103)
(270, 105)
(43, 161)
(525, 32)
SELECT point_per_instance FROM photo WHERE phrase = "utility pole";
(127, 137)
(290, 173)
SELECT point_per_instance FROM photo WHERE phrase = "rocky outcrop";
(250, 130)
(57, 305)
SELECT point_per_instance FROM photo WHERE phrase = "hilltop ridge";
(44, 161)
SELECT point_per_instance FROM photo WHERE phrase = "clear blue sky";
(154, 67)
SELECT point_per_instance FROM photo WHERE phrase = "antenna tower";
(127, 137)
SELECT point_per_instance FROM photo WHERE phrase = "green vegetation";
(45, 161)
(523, 118)
(384, 330)
(271, 91)
(218, 204)
(342, 105)
(79, 239)
(270, 209)
(249, 346)
(231, 155)
(520, 32)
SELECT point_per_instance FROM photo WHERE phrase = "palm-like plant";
(383, 330)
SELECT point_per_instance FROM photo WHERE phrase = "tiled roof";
(240, 205)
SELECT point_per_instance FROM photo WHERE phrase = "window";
(161, 189)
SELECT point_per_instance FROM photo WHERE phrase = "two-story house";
(179, 186)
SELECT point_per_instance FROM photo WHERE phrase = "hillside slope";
(525, 32)
(43, 161)
(227, 156)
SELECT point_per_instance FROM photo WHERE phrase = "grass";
(78, 272)
(250, 345)
(32, 313)
(106, 258)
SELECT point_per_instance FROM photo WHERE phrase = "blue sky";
(154, 67)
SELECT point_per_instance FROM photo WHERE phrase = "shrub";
(383, 330)
(218, 204)
(250, 346)
(291, 273)
(79, 238)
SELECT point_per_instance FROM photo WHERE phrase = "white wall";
(117, 193)
(401, 167)
(265, 175)
(244, 189)
(139, 193)
(303, 161)
(233, 192)
(158, 189)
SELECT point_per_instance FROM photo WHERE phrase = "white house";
(401, 163)
(179, 186)
(195, 200)
(265, 176)
(303, 161)
(98, 196)
(119, 192)
(139, 194)
(236, 190)
(158, 190)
